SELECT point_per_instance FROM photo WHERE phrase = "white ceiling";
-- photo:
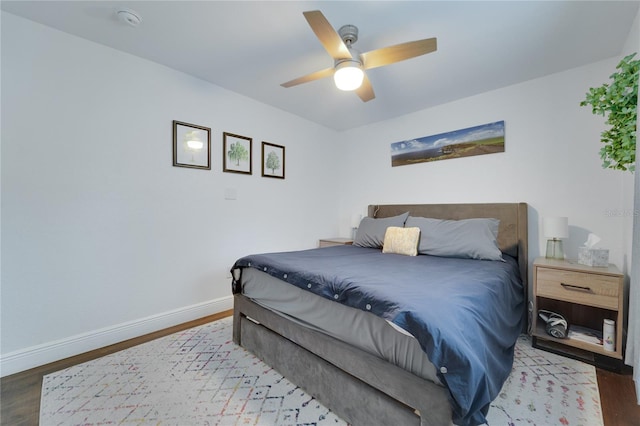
(250, 47)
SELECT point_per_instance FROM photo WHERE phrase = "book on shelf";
(585, 334)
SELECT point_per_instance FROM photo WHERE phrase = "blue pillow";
(468, 238)
(371, 231)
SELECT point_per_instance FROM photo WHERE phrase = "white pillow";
(401, 241)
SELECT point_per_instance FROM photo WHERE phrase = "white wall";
(631, 200)
(550, 161)
(98, 228)
(632, 45)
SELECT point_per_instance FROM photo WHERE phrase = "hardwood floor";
(20, 393)
(618, 398)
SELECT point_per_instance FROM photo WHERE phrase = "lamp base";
(554, 249)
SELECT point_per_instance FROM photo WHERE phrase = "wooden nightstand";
(585, 296)
(338, 241)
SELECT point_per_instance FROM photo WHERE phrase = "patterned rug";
(200, 377)
(547, 389)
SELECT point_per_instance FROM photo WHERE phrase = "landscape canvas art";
(478, 140)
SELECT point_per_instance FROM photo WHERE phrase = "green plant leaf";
(618, 103)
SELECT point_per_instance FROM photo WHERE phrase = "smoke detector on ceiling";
(130, 17)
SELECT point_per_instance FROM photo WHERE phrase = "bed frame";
(359, 387)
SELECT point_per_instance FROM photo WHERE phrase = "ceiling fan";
(349, 64)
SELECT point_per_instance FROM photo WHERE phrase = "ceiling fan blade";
(309, 77)
(399, 52)
(329, 38)
(365, 91)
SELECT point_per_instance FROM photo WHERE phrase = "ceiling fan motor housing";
(348, 34)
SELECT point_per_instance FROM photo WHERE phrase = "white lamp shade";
(355, 220)
(192, 141)
(195, 144)
(556, 227)
(348, 75)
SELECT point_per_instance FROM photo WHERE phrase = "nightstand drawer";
(579, 287)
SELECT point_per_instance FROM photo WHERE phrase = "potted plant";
(619, 102)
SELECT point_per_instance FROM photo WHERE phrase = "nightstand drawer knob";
(576, 287)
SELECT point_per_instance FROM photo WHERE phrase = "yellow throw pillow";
(401, 240)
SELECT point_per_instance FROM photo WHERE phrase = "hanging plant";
(620, 101)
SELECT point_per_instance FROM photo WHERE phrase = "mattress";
(361, 329)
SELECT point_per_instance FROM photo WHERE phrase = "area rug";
(200, 377)
(545, 389)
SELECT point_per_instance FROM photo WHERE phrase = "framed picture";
(478, 140)
(272, 160)
(236, 153)
(191, 146)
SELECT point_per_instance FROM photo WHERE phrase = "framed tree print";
(191, 145)
(236, 153)
(272, 160)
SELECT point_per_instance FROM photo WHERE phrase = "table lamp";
(355, 223)
(555, 228)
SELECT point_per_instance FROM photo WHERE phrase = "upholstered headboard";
(512, 233)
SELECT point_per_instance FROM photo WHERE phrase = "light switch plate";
(230, 194)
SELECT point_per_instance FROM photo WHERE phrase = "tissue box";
(593, 257)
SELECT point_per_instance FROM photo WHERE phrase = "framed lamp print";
(191, 145)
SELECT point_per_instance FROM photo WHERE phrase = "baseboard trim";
(35, 356)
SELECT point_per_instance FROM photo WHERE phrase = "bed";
(372, 382)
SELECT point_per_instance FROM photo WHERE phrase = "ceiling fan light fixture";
(348, 75)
